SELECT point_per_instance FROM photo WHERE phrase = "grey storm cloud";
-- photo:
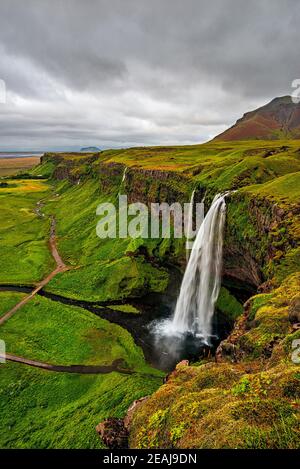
(131, 72)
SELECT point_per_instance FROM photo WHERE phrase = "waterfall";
(190, 225)
(124, 175)
(122, 180)
(202, 279)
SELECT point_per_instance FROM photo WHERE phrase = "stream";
(154, 307)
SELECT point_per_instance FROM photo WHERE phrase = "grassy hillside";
(25, 256)
(264, 171)
(175, 158)
(219, 405)
(45, 409)
(48, 331)
(41, 409)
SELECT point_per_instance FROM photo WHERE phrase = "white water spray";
(124, 175)
(202, 279)
(122, 180)
(190, 225)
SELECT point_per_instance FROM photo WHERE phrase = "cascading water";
(124, 175)
(190, 224)
(122, 181)
(190, 331)
(202, 279)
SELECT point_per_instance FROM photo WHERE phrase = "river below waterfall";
(153, 308)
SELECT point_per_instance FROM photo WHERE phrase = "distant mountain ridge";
(89, 149)
(279, 119)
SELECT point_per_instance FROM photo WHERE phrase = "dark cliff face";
(255, 229)
(257, 237)
(145, 186)
(109, 176)
(240, 269)
(140, 185)
(71, 167)
(155, 186)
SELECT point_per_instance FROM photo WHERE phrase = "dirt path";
(60, 267)
(59, 262)
(82, 369)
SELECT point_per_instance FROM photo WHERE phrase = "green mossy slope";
(250, 397)
(220, 406)
(43, 409)
(55, 333)
(24, 251)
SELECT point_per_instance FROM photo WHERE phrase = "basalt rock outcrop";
(113, 433)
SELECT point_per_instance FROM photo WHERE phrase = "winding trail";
(116, 366)
(82, 369)
(60, 267)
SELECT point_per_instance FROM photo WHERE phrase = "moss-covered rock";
(265, 324)
(220, 406)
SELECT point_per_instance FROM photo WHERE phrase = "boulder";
(226, 350)
(294, 310)
(113, 433)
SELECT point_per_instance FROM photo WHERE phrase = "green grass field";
(205, 156)
(8, 300)
(55, 333)
(41, 409)
(45, 409)
(24, 251)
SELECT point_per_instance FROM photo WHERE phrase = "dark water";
(162, 352)
(167, 350)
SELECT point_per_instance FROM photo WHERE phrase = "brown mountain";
(279, 119)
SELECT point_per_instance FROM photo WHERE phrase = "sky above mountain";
(116, 73)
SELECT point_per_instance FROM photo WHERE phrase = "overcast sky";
(117, 73)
